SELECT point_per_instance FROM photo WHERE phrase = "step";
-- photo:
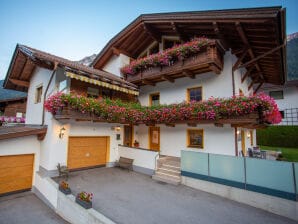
(169, 163)
(168, 172)
(169, 167)
(166, 179)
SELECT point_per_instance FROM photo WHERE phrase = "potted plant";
(136, 143)
(84, 199)
(64, 187)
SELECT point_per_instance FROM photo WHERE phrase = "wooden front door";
(128, 135)
(86, 152)
(154, 138)
(243, 142)
(16, 173)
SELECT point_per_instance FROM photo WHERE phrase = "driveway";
(130, 197)
(26, 208)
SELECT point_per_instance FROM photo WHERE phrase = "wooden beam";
(244, 52)
(170, 125)
(215, 69)
(259, 86)
(147, 82)
(220, 36)
(188, 73)
(20, 82)
(218, 125)
(179, 31)
(251, 85)
(117, 52)
(167, 78)
(152, 32)
(192, 124)
(261, 56)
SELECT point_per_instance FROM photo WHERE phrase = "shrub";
(278, 136)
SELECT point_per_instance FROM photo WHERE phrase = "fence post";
(244, 173)
(294, 178)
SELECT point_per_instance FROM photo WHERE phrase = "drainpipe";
(46, 91)
(235, 129)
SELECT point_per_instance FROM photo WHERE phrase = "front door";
(127, 139)
(154, 138)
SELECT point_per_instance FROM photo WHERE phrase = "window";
(277, 95)
(154, 99)
(167, 43)
(195, 138)
(62, 86)
(106, 93)
(194, 94)
(38, 94)
(282, 113)
(92, 92)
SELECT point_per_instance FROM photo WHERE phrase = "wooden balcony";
(253, 120)
(210, 59)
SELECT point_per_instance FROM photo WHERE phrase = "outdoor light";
(248, 135)
(238, 132)
(62, 130)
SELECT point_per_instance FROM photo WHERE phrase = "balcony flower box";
(64, 188)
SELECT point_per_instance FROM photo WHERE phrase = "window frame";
(150, 98)
(38, 94)
(188, 93)
(189, 145)
(274, 91)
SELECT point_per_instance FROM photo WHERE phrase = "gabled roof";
(10, 95)
(25, 59)
(253, 30)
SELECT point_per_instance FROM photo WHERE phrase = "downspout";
(235, 129)
(46, 91)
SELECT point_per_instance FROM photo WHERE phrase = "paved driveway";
(26, 208)
(129, 197)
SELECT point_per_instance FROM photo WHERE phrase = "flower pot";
(84, 204)
(65, 190)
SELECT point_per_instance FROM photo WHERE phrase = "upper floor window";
(194, 94)
(169, 43)
(277, 95)
(38, 94)
(92, 92)
(154, 99)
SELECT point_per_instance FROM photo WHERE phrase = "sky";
(74, 29)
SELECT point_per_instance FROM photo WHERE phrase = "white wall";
(142, 158)
(115, 63)
(219, 140)
(22, 145)
(41, 76)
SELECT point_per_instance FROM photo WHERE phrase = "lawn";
(290, 154)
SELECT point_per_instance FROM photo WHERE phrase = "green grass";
(290, 154)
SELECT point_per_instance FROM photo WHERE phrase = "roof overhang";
(253, 33)
(7, 132)
(26, 59)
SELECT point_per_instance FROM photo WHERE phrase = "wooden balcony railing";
(209, 59)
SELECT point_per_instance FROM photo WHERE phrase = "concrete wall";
(142, 158)
(272, 204)
(22, 145)
(219, 140)
(34, 110)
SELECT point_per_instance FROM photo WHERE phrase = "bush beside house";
(278, 136)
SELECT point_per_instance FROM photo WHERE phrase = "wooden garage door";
(16, 173)
(87, 151)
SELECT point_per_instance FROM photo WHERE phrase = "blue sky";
(76, 28)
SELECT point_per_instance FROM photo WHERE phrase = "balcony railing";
(209, 59)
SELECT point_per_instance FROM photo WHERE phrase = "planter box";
(84, 204)
(65, 191)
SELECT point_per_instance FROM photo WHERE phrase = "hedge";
(278, 136)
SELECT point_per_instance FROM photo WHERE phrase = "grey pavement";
(26, 208)
(130, 197)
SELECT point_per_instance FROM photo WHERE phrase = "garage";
(16, 172)
(84, 152)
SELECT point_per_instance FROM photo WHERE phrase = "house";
(240, 47)
(286, 98)
(12, 103)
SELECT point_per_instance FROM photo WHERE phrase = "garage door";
(16, 173)
(87, 151)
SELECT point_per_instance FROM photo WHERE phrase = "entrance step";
(168, 170)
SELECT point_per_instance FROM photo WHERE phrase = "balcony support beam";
(167, 78)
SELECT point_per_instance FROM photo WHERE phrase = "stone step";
(168, 172)
(167, 179)
(169, 167)
(168, 163)
(170, 158)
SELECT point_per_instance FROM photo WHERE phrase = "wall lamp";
(62, 131)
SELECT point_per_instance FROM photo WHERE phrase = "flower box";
(84, 204)
(65, 190)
